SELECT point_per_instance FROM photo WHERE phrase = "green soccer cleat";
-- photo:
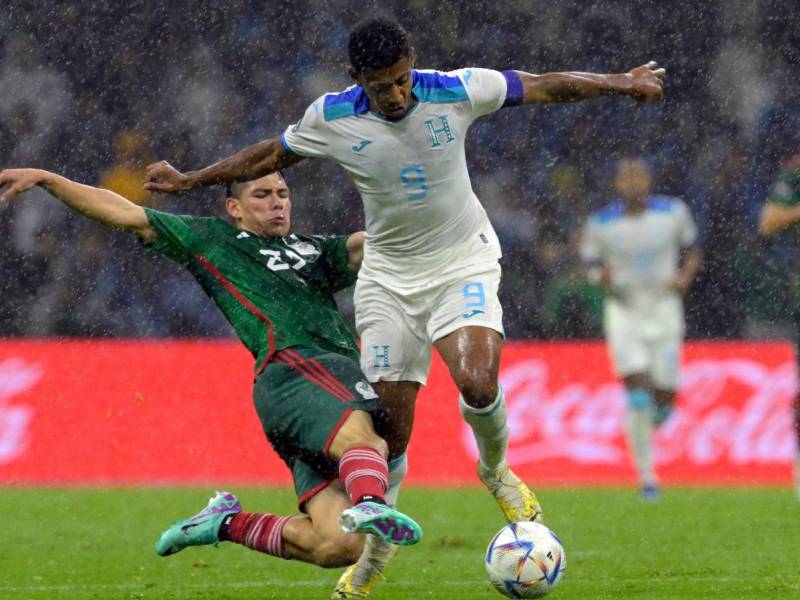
(386, 522)
(201, 529)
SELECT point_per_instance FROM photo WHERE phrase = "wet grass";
(98, 543)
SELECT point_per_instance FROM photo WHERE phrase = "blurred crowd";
(97, 89)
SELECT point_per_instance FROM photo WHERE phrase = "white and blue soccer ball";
(525, 560)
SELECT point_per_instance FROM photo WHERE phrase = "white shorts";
(646, 340)
(398, 329)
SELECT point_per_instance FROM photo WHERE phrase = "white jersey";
(421, 212)
(642, 250)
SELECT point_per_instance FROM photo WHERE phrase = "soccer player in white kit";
(430, 274)
(642, 249)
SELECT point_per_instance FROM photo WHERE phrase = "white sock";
(640, 429)
(398, 468)
(490, 430)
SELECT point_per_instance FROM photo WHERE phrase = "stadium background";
(115, 371)
(95, 94)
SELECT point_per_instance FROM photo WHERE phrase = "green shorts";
(303, 397)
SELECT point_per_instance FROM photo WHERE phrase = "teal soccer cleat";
(387, 523)
(201, 529)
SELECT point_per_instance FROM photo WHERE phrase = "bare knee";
(478, 386)
(342, 551)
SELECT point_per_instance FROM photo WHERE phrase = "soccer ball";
(525, 560)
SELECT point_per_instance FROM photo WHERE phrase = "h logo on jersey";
(435, 132)
(380, 356)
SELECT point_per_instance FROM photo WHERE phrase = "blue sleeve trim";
(286, 145)
(514, 92)
(350, 103)
(438, 87)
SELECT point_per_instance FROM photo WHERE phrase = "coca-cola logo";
(16, 376)
(736, 410)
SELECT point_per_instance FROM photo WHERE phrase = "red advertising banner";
(164, 412)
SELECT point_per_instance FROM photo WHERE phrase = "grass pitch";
(98, 543)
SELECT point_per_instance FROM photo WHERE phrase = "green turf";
(692, 544)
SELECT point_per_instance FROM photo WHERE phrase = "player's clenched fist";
(17, 181)
(647, 81)
(163, 177)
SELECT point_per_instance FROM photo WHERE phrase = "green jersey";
(786, 189)
(276, 292)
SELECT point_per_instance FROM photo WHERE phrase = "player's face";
(389, 89)
(263, 207)
(633, 181)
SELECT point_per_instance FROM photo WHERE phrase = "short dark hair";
(377, 44)
(232, 190)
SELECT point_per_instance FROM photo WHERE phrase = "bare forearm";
(776, 217)
(103, 206)
(572, 86)
(252, 162)
(691, 264)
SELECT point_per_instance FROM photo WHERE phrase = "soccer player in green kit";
(782, 211)
(315, 406)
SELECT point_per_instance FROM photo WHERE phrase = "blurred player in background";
(642, 250)
(781, 212)
(431, 274)
(316, 409)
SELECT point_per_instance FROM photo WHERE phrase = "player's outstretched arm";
(776, 217)
(103, 206)
(355, 251)
(642, 83)
(252, 162)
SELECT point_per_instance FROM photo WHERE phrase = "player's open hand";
(647, 82)
(16, 181)
(163, 177)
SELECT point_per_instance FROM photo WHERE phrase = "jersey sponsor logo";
(242, 235)
(366, 391)
(361, 145)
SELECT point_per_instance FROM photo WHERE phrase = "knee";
(478, 387)
(340, 552)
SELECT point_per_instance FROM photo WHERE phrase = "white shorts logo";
(366, 391)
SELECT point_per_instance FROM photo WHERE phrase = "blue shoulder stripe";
(661, 203)
(610, 213)
(349, 103)
(438, 88)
